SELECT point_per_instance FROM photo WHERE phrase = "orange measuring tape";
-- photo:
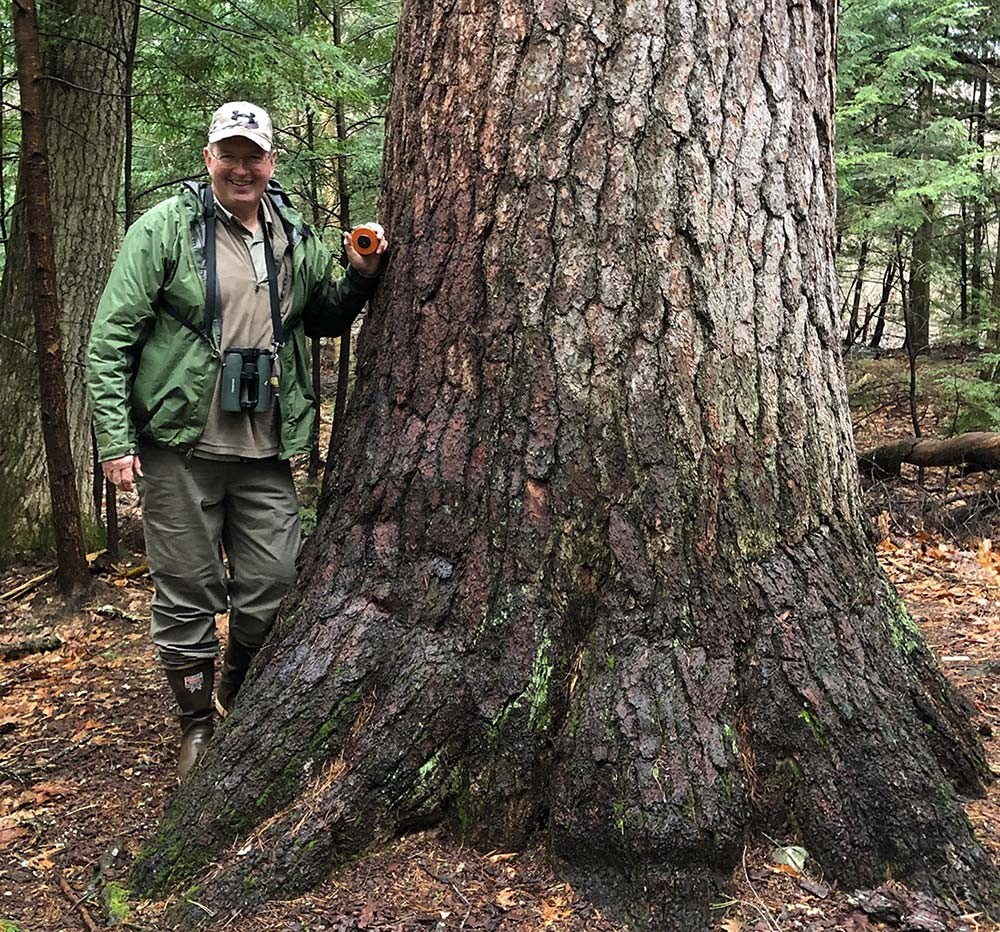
(364, 241)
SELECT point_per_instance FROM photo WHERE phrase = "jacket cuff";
(111, 446)
(364, 282)
(114, 453)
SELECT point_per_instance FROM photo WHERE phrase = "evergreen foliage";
(279, 54)
(194, 54)
(898, 166)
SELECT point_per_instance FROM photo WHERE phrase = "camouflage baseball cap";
(240, 118)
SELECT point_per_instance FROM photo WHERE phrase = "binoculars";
(246, 379)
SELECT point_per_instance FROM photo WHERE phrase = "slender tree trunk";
(72, 572)
(84, 105)
(918, 329)
(97, 489)
(911, 352)
(883, 303)
(129, 140)
(305, 13)
(111, 519)
(990, 370)
(314, 458)
(979, 209)
(995, 293)
(596, 561)
(866, 323)
(920, 284)
(963, 269)
(344, 197)
(859, 284)
(904, 286)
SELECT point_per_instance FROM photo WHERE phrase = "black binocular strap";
(171, 311)
(272, 285)
(211, 274)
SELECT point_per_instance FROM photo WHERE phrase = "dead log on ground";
(15, 650)
(974, 452)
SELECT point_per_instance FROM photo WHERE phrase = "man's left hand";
(366, 265)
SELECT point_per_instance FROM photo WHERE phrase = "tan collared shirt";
(245, 317)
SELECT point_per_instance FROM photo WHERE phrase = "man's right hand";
(122, 471)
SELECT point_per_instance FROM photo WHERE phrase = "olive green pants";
(189, 506)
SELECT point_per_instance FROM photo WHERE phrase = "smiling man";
(200, 382)
(239, 159)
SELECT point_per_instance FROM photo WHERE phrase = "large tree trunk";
(84, 105)
(596, 563)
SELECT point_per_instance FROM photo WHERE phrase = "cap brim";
(221, 134)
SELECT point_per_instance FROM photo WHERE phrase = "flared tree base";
(800, 702)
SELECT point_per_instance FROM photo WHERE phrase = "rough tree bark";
(85, 59)
(597, 564)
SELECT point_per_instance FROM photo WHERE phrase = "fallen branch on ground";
(93, 561)
(974, 451)
(15, 650)
(77, 902)
(27, 586)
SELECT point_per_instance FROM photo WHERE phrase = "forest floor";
(88, 742)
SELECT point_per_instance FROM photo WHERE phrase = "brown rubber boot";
(235, 664)
(192, 687)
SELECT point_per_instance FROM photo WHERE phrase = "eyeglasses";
(250, 161)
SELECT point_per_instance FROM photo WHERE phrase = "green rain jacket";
(150, 375)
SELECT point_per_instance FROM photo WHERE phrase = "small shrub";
(307, 518)
(116, 901)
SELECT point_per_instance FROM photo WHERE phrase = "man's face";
(240, 171)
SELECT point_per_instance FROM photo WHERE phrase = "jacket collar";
(295, 226)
